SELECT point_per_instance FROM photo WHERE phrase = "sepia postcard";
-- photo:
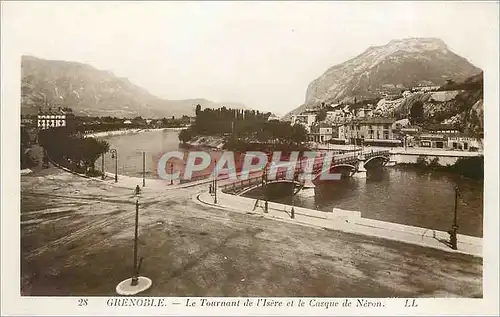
(249, 158)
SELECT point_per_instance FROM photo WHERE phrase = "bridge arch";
(348, 167)
(246, 190)
(379, 160)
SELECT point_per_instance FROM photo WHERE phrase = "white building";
(321, 133)
(51, 119)
(464, 142)
(306, 119)
(406, 93)
(273, 117)
(364, 113)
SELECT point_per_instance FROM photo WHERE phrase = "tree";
(299, 134)
(417, 112)
(91, 149)
(321, 115)
(185, 135)
(198, 109)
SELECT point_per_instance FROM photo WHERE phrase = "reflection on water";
(131, 146)
(413, 197)
(418, 198)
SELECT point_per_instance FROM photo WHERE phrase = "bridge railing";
(280, 175)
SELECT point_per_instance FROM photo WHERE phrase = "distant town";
(369, 123)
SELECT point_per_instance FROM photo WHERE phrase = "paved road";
(77, 240)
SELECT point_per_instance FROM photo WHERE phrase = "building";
(321, 133)
(273, 117)
(51, 119)
(371, 131)
(338, 116)
(464, 142)
(426, 88)
(442, 129)
(28, 122)
(430, 140)
(364, 113)
(306, 119)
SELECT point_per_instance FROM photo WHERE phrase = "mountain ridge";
(94, 92)
(398, 65)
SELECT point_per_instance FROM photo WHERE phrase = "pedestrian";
(137, 190)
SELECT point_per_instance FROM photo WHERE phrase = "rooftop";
(440, 126)
(375, 120)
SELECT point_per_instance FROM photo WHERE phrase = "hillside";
(89, 91)
(461, 106)
(392, 68)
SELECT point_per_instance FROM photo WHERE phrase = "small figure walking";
(137, 190)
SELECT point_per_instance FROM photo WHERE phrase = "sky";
(262, 54)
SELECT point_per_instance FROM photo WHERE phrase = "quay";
(345, 221)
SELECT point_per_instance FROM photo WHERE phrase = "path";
(77, 235)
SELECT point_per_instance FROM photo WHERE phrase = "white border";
(12, 303)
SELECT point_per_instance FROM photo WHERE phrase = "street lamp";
(102, 166)
(215, 181)
(135, 276)
(143, 169)
(171, 173)
(114, 155)
(454, 228)
(292, 212)
(136, 283)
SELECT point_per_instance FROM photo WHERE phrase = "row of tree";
(243, 125)
(72, 150)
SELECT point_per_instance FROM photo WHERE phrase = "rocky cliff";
(390, 68)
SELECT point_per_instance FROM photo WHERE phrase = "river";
(394, 194)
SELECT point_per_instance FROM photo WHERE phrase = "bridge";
(349, 164)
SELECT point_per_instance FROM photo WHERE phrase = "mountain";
(93, 92)
(399, 65)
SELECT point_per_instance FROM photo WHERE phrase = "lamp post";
(171, 174)
(135, 276)
(454, 227)
(114, 154)
(266, 189)
(215, 182)
(143, 169)
(102, 166)
(136, 283)
(292, 212)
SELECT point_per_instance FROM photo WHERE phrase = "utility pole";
(135, 276)
(143, 169)
(454, 228)
(114, 154)
(171, 171)
(215, 182)
(102, 166)
(136, 283)
(292, 212)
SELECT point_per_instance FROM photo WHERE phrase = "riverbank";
(345, 221)
(70, 226)
(128, 131)
(203, 141)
